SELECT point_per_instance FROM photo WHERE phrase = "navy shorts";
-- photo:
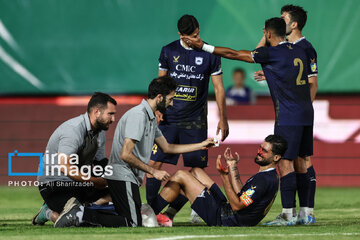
(299, 139)
(178, 135)
(208, 205)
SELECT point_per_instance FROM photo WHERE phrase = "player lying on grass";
(248, 204)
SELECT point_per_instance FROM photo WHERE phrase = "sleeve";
(100, 153)
(215, 68)
(158, 132)
(254, 193)
(163, 60)
(69, 142)
(261, 55)
(313, 69)
(135, 126)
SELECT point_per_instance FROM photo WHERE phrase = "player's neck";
(294, 36)
(276, 41)
(264, 168)
(152, 103)
(185, 45)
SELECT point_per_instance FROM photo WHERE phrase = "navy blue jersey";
(311, 54)
(286, 71)
(191, 69)
(258, 194)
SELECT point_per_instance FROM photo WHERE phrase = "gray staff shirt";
(139, 124)
(69, 138)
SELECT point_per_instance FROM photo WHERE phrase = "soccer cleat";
(40, 217)
(163, 220)
(303, 220)
(311, 219)
(281, 221)
(195, 218)
(68, 216)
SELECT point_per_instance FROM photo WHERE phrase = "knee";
(179, 175)
(196, 171)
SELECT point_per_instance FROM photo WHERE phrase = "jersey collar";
(87, 123)
(268, 170)
(283, 42)
(295, 42)
(183, 45)
(148, 109)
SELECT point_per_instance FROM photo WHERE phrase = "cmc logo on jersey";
(186, 93)
(185, 68)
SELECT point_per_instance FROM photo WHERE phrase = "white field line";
(255, 235)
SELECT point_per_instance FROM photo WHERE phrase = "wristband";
(208, 48)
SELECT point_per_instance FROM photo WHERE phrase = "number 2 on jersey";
(298, 62)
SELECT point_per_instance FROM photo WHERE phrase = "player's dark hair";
(297, 14)
(187, 24)
(279, 144)
(162, 85)
(100, 100)
(239, 70)
(277, 25)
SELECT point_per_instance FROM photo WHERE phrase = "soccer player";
(84, 136)
(133, 139)
(295, 18)
(186, 121)
(248, 204)
(286, 72)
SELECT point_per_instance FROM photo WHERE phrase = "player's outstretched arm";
(130, 158)
(234, 200)
(233, 170)
(182, 148)
(241, 55)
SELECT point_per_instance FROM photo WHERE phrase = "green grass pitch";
(337, 215)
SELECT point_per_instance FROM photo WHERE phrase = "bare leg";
(202, 177)
(104, 200)
(185, 181)
(285, 167)
(54, 216)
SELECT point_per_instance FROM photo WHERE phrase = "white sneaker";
(195, 218)
(282, 221)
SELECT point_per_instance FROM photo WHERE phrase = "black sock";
(288, 190)
(302, 183)
(312, 178)
(158, 204)
(179, 202)
(152, 189)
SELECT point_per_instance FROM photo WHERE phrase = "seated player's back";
(258, 194)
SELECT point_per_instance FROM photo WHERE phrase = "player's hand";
(208, 143)
(259, 76)
(220, 168)
(99, 182)
(193, 42)
(159, 116)
(224, 127)
(230, 159)
(161, 175)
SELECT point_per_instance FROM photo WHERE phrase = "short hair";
(162, 85)
(100, 100)
(279, 144)
(239, 70)
(277, 25)
(297, 14)
(187, 24)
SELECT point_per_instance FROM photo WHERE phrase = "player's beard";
(102, 125)
(161, 106)
(267, 43)
(263, 162)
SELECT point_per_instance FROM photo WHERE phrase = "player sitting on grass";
(248, 204)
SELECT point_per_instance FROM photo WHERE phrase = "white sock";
(193, 213)
(287, 213)
(311, 211)
(303, 211)
(48, 214)
(80, 214)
